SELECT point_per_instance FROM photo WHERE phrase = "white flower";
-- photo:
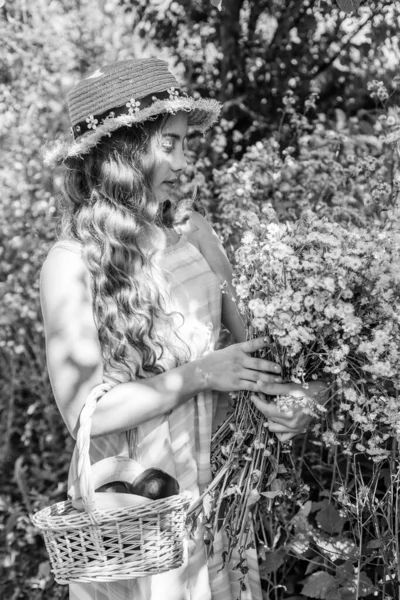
(173, 93)
(251, 218)
(133, 106)
(91, 122)
(271, 308)
(274, 230)
(329, 284)
(257, 307)
(330, 311)
(259, 323)
(308, 301)
(304, 335)
(330, 438)
(311, 282)
(242, 290)
(248, 238)
(293, 262)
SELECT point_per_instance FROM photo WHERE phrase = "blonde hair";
(109, 208)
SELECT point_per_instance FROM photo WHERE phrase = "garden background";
(310, 103)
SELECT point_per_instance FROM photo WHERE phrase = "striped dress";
(179, 443)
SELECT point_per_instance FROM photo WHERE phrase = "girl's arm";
(75, 362)
(203, 236)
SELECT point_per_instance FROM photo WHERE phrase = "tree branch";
(326, 64)
(229, 37)
(376, 8)
(285, 24)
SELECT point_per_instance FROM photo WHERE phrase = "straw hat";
(121, 95)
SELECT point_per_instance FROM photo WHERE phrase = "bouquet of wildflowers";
(329, 300)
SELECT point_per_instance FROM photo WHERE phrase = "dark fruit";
(119, 487)
(155, 484)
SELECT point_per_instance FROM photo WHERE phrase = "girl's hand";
(287, 424)
(233, 368)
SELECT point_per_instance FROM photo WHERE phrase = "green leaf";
(329, 519)
(217, 4)
(336, 548)
(348, 6)
(366, 587)
(300, 520)
(253, 497)
(306, 508)
(336, 595)
(314, 565)
(345, 573)
(353, 583)
(271, 494)
(300, 543)
(361, 585)
(278, 485)
(273, 560)
(44, 570)
(373, 544)
(318, 585)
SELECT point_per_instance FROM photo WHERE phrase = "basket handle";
(83, 446)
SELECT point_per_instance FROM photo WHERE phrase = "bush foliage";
(299, 129)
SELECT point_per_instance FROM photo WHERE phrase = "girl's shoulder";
(63, 251)
(63, 268)
(68, 245)
(201, 234)
(197, 230)
(199, 222)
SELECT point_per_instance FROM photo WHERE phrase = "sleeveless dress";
(179, 443)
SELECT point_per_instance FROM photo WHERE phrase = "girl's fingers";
(315, 389)
(275, 427)
(270, 411)
(261, 365)
(295, 419)
(267, 409)
(248, 386)
(254, 345)
(276, 389)
(266, 378)
(257, 344)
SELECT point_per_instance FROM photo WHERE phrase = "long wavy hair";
(108, 207)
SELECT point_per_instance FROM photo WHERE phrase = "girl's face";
(169, 156)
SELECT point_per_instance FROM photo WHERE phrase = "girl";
(127, 300)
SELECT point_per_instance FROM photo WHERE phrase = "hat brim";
(202, 114)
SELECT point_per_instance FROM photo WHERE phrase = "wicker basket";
(110, 544)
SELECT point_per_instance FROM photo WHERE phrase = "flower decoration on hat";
(173, 93)
(133, 106)
(91, 122)
(74, 130)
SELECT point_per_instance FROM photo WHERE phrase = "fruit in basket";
(155, 484)
(118, 487)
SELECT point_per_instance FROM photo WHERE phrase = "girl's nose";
(179, 160)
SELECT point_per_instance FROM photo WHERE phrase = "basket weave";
(113, 544)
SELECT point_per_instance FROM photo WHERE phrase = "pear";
(154, 484)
